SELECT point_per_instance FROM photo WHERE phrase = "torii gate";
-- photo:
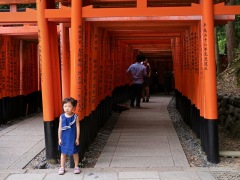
(192, 48)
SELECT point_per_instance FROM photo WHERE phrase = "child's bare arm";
(78, 131)
(60, 131)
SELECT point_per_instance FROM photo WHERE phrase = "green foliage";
(221, 34)
(26, 5)
(4, 6)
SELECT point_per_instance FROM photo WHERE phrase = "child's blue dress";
(69, 135)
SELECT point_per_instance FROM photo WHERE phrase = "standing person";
(68, 134)
(136, 72)
(146, 83)
(168, 80)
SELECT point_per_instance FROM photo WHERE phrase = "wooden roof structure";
(150, 34)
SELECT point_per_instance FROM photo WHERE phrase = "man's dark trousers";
(136, 94)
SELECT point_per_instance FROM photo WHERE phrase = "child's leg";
(63, 160)
(76, 159)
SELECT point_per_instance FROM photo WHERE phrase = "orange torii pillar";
(94, 69)
(65, 60)
(94, 78)
(2, 74)
(88, 59)
(200, 85)
(49, 115)
(91, 115)
(105, 75)
(7, 76)
(192, 84)
(210, 93)
(76, 64)
(196, 80)
(76, 82)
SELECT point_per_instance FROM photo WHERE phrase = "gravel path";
(192, 148)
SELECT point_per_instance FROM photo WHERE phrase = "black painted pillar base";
(213, 144)
(1, 111)
(205, 129)
(51, 140)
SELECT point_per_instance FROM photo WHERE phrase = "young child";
(68, 134)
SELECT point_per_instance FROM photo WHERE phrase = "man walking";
(136, 72)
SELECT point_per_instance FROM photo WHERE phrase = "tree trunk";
(231, 37)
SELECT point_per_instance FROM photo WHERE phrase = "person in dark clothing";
(146, 83)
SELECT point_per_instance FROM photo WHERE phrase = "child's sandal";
(76, 170)
(61, 171)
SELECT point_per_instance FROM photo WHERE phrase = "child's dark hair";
(71, 100)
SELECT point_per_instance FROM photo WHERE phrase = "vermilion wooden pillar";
(104, 65)
(45, 60)
(94, 84)
(88, 59)
(55, 68)
(201, 89)
(188, 62)
(65, 60)
(47, 82)
(210, 92)
(175, 54)
(196, 66)
(191, 65)
(184, 59)
(76, 80)
(2, 82)
(200, 69)
(178, 69)
(7, 75)
(100, 59)
(84, 70)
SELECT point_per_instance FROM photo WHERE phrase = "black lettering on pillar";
(205, 47)
(40, 54)
(79, 73)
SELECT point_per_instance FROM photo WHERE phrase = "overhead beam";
(193, 10)
(19, 30)
(191, 13)
(29, 16)
(147, 41)
(6, 2)
(221, 9)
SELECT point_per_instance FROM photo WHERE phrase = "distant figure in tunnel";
(146, 82)
(68, 134)
(136, 72)
(167, 80)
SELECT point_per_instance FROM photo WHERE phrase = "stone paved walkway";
(143, 145)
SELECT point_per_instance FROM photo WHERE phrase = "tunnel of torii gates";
(83, 51)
